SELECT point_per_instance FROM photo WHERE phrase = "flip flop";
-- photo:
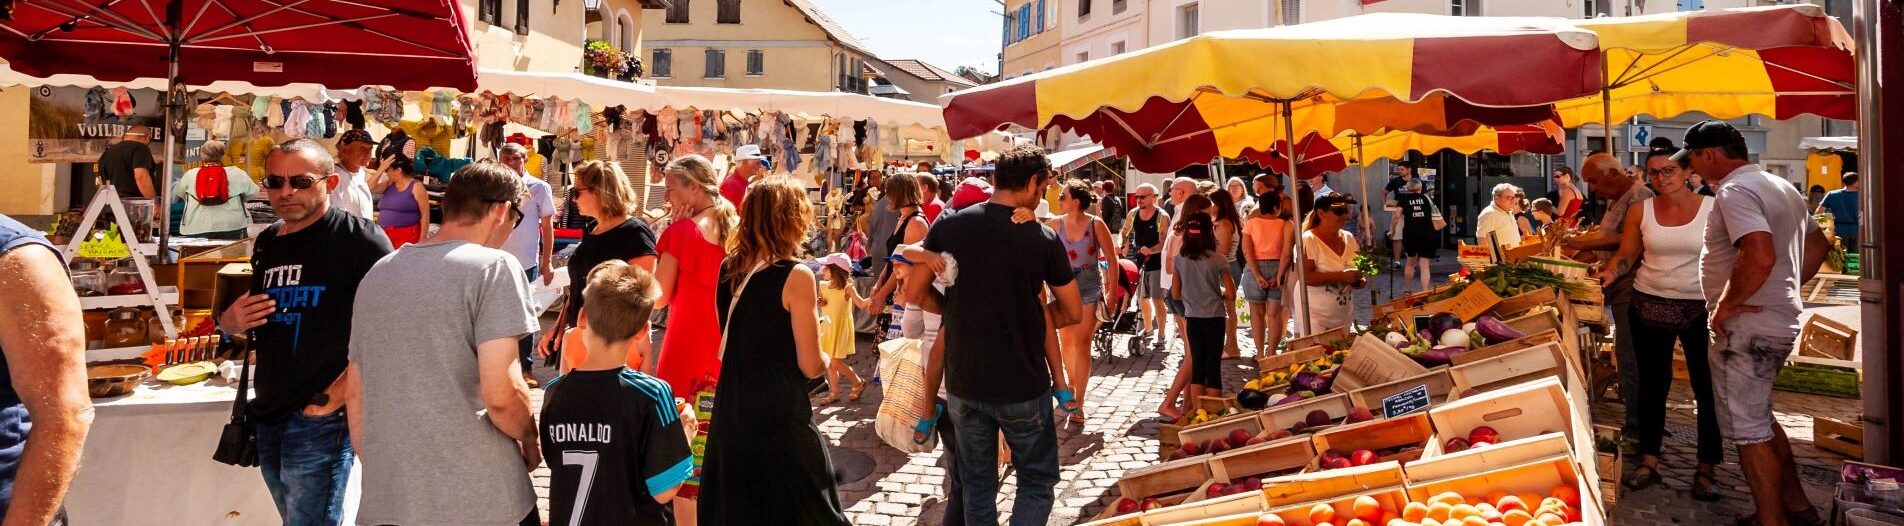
(1703, 487)
(1635, 482)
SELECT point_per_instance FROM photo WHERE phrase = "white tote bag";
(902, 373)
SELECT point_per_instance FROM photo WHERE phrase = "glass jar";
(155, 330)
(95, 328)
(88, 279)
(125, 279)
(124, 328)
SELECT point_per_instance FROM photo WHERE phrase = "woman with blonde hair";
(688, 270)
(605, 195)
(764, 454)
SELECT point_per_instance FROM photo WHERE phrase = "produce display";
(1204, 415)
(1561, 506)
(1298, 382)
(1444, 336)
(1360, 511)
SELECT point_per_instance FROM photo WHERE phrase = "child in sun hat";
(837, 338)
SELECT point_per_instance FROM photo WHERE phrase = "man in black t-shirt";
(305, 272)
(128, 165)
(999, 375)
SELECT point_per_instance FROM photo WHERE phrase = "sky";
(945, 33)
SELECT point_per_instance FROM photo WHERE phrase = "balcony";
(601, 59)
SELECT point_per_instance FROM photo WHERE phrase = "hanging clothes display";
(261, 145)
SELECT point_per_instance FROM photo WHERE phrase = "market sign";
(1413, 400)
(73, 124)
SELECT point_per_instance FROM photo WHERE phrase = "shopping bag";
(902, 374)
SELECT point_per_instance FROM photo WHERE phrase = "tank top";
(1081, 252)
(1146, 234)
(1266, 235)
(898, 236)
(1670, 267)
(14, 423)
(399, 207)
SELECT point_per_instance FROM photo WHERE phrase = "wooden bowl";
(104, 381)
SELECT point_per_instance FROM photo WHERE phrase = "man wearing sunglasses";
(1143, 240)
(430, 354)
(305, 272)
(532, 241)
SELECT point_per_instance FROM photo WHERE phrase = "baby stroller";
(1118, 314)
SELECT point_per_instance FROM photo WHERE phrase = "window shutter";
(678, 12)
(489, 11)
(1084, 8)
(729, 12)
(716, 64)
(1041, 16)
(664, 62)
(522, 17)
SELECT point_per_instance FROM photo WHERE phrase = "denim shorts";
(1090, 283)
(1744, 365)
(1255, 294)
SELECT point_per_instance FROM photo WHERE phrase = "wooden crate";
(1513, 368)
(1518, 412)
(1440, 389)
(1166, 478)
(1325, 485)
(1610, 466)
(1285, 416)
(1391, 498)
(1827, 338)
(1282, 360)
(1410, 430)
(1473, 301)
(1480, 353)
(1382, 310)
(1512, 306)
(1221, 428)
(1109, 517)
(1838, 436)
(1167, 433)
(1266, 459)
(1329, 338)
(1198, 509)
(1535, 466)
(1588, 303)
(1372, 361)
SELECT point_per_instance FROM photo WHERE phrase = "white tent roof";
(1828, 143)
(1064, 160)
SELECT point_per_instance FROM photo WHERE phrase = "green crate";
(1819, 380)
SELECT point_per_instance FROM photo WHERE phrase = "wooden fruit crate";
(1382, 310)
(1109, 516)
(1266, 459)
(1285, 416)
(1221, 429)
(1522, 411)
(1282, 361)
(1411, 430)
(1440, 389)
(1827, 338)
(1372, 361)
(1166, 478)
(1326, 485)
(1392, 498)
(1473, 301)
(1610, 466)
(1480, 353)
(1328, 338)
(1588, 303)
(1838, 436)
(1518, 367)
(1512, 306)
(1197, 508)
(1530, 466)
(1167, 433)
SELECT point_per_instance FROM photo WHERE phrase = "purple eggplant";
(1495, 331)
(1439, 356)
(1443, 322)
(1308, 381)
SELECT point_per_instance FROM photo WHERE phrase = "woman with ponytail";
(689, 270)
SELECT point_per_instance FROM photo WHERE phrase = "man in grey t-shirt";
(440, 414)
(1760, 246)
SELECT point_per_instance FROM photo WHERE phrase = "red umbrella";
(1315, 156)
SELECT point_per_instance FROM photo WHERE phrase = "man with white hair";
(1496, 222)
(747, 166)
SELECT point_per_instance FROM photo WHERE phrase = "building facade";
(781, 44)
(1094, 29)
(921, 81)
(526, 35)
(1031, 37)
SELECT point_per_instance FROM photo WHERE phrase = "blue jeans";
(526, 346)
(306, 462)
(1033, 440)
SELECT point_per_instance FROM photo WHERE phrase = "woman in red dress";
(691, 252)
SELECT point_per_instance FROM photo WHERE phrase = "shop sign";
(74, 124)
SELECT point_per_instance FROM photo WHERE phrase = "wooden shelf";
(117, 353)
(168, 295)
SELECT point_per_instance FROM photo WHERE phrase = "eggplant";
(1252, 399)
(1308, 381)
(1495, 331)
(1442, 323)
(1438, 356)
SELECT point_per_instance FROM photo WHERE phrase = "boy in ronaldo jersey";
(614, 438)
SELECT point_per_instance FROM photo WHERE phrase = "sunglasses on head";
(298, 182)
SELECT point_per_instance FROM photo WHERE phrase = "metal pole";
(1606, 110)
(1368, 221)
(1302, 272)
(165, 181)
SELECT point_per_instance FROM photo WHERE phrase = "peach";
(1516, 517)
(1568, 495)
(1414, 512)
(1321, 513)
(1366, 508)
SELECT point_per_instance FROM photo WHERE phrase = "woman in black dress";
(766, 461)
(603, 194)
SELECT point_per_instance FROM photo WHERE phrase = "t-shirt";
(313, 274)
(932, 209)
(1753, 200)
(1843, 205)
(117, 163)
(1268, 235)
(1418, 213)
(14, 423)
(629, 240)
(1111, 209)
(352, 193)
(994, 326)
(1496, 224)
(525, 242)
(223, 217)
(884, 221)
(1202, 281)
(612, 440)
(429, 455)
(1613, 223)
(734, 188)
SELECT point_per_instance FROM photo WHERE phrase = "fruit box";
(1372, 361)
(1237, 519)
(1521, 367)
(1382, 310)
(1219, 429)
(1341, 508)
(1517, 412)
(1282, 361)
(1110, 517)
(1514, 305)
(1470, 303)
(1286, 416)
(1166, 478)
(1198, 506)
(1267, 459)
(1609, 466)
(1412, 430)
(1329, 338)
(1440, 389)
(1497, 349)
(1167, 433)
(1325, 485)
(1538, 466)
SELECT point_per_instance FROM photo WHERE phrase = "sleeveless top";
(1266, 234)
(1670, 266)
(14, 423)
(1146, 233)
(1081, 252)
(399, 207)
(898, 236)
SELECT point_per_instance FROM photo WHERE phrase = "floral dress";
(1330, 306)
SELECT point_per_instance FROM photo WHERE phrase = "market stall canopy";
(801, 103)
(1071, 159)
(1223, 93)
(1847, 143)
(309, 92)
(1315, 157)
(1778, 61)
(338, 43)
(1542, 138)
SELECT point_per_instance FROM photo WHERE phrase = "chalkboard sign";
(1405, 402)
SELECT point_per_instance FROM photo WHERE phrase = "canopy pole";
(171, 106)
(1361, 171)
(1302, 271)
(1606, 112)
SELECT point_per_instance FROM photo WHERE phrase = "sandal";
(1078, 417)
(853, 396)
(1703, 485)
(829, 399)
(1636, 482)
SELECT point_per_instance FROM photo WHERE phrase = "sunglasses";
(1340, 210)
(578, 189)
(298, 182)
(1146, 196)
(515, 208)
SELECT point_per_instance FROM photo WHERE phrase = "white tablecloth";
(148, 460)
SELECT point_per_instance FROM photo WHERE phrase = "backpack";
(212, 189)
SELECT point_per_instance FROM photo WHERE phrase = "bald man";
(1608, 180)
(128, 164)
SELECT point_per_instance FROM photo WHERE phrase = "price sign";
(1405, 402)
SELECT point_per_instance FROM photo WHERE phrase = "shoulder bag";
(238, 443)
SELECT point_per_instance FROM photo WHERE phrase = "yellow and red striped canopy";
(1545, 137)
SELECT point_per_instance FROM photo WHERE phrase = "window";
(663, 63)
(1117, 48)
(1187, 25)
(1009, 24)
(489, 11)
(1464, 7)
(1024, 21)
(522, 17)
(729, 12)
(1692, 5)
(1292, 12)
(1083, 56)
(678, 12)
(626, 32)
(1596, 8)
(1117, 6)
(716, 64)
(756, 62)
(1041, 17)
(1084, 9)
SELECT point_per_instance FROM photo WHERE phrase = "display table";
(148, 460)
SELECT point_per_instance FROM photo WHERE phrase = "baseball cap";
(1709, 134)
(1332, 200)
(748, 152)
(971, 191)
(355, 136)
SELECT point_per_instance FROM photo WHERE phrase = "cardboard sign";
(1413, 400)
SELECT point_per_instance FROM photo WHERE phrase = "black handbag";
(238, 443)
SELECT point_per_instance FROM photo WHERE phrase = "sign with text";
(1415, 399)
(74, 124)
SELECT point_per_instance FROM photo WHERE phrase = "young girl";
(1202, 282)
(836, 325)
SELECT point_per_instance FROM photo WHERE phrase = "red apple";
(1126, 506)
(1192, 449)
(1280, 434)
(1151, 503)
(1360, 414)
(1219, 445)
(1457, 444)
(1337, 463)
(1362, 457)
(1478, 444)
(1252, 484)
(1317, 418)
(1254, 441)
(1239, 436)
(1332, 453)
(1177, 455)
(1217, 489)
(1484, 433)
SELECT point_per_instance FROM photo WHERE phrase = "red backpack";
(212, 189)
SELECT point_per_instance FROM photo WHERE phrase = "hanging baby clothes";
(296, 118)
(274, 113)
(122, 104)
(584, 117)
(445, 107)
(823, 153)
(204, 113)
(315, 129)
(665, 125)
(221, 122)
(260, 146)
(241, 121)
(847, 156)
